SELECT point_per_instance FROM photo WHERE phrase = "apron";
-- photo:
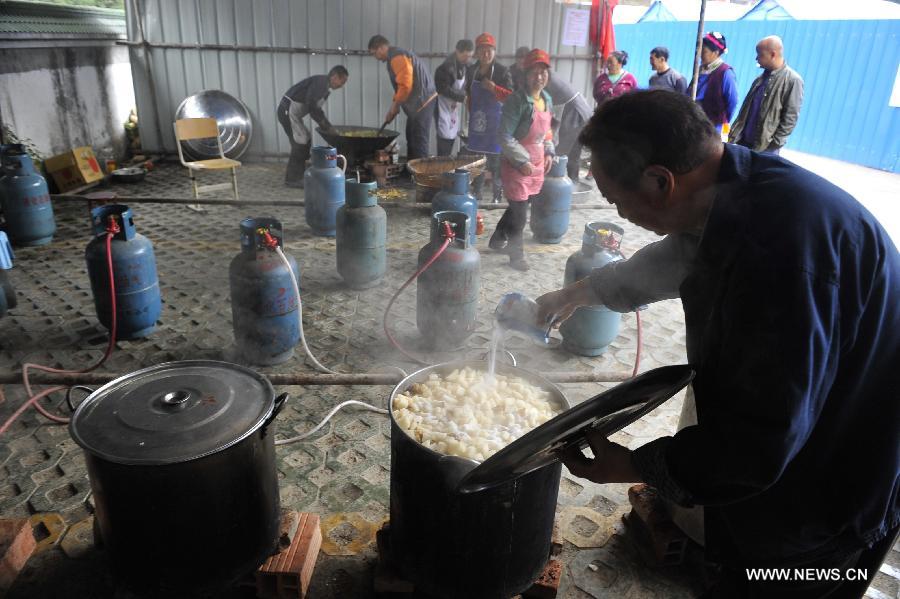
(516, 186)
(448, 112)
(484, 120)
(297, 111)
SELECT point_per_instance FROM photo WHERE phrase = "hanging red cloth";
(602, 34)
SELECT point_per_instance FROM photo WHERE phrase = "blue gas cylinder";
(361, 237)
(138, 302)
(591, 329)
(25, 199)
(7, 293)
(447, 293)
(323, 186)
(454, 196)
(550, 207)
(264, 307)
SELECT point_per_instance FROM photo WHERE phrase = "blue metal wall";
(848, 68)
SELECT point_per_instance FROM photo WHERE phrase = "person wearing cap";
(770, 110)
(517, 71)
(450, 81)
(575, 113)
(615, 81)
(306, 98)
(716, 85)
(790, 290)
(414, 92)
(488, 84)
(526, 137)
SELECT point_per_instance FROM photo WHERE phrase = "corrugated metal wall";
(259, 78)
(848, 68)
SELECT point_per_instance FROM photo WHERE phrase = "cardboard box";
(74, 168)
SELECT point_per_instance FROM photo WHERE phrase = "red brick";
(16, 546)
(288, 572)
(547, 584)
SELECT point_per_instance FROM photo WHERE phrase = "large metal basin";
(356, 149)
(232, 117)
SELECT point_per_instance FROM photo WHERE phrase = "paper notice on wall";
(895, 95)
(575, 27)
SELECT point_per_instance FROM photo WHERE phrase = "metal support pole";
(304, 378)
(291, 203)
(700, 25)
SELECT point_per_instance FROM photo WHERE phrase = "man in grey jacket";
(770, 110)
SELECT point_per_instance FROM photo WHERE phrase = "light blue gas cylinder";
(550, 207)
(264, 306)
(323, 185)
(361, 240)
(24, 198)
(454, 196)
(590, 330)
(138, 301)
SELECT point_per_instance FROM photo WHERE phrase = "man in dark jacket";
(306, 98)
(488, 84)
(790, 291)
(517, 71)
(770, 110)
(450, 82)
(413, 91)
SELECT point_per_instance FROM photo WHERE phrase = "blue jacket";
(792, 310)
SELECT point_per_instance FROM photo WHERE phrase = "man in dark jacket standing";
(790, 291)
(517, 71)
(306, 98)
(450, 81)
(413, 91)
(488, 84)
(770, 110)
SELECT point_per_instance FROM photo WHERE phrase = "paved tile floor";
(342, 472)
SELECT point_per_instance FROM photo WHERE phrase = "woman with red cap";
(526, 140)
(488, 85)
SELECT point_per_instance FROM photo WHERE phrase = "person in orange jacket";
(414, 92)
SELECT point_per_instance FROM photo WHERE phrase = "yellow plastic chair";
(188, 129)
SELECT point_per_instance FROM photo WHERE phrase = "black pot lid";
(172, 412)
(608, 412)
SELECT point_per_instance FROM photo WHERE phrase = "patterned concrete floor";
(342, 472)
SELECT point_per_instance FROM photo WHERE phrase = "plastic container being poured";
(516, 312)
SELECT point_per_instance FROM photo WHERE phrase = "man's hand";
(611, 464)
(559, 305)
(548, 162)
(526, 169)
(392, 112)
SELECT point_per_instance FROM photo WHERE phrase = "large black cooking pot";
(489, 544)
(181, 460)
(357, 148)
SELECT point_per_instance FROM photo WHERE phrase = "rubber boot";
(296, 167)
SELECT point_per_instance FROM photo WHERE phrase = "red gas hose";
(33, 398)
(448, 238)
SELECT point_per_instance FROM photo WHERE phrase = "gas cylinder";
(550, 207)
(361, 237)
(25, 199)
(263, 303)
(323, 186)
(454, 196)
(447, 293)
(7, 293)
(138, 302)
(591, 329)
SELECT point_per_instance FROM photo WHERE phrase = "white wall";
(64, 97)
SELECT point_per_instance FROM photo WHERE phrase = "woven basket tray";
(429, 171)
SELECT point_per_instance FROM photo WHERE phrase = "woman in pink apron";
(526, 141)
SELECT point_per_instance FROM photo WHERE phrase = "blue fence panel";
(848, 69)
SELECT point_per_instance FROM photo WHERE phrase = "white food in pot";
(467, 414)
